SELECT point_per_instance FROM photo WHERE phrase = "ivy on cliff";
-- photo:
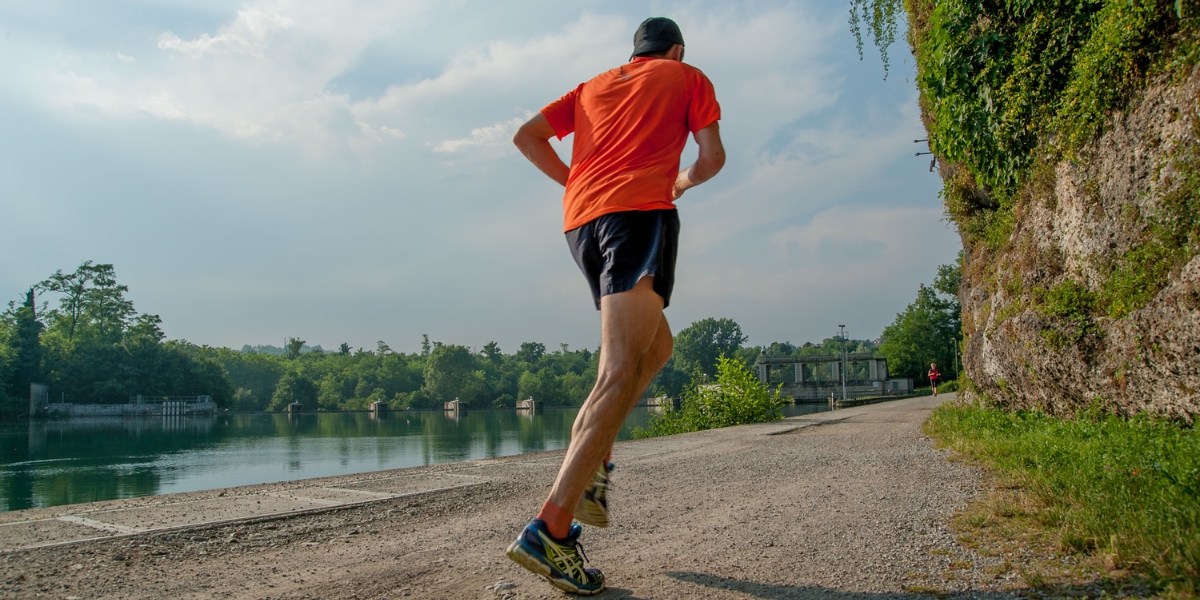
(1011, 84)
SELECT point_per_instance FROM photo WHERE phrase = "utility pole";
(842, 337)
(954, 347)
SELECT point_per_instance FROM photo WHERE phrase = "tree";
(26, 349)
(294, 345)
(491, 351)
(93, 305)
(294, 387)
(543, 385)
(699, 345)
(146, 326)
(531, 352)
(928, 331)
(453, 372)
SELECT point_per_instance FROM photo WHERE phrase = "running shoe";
(559, 561)
(593, 505)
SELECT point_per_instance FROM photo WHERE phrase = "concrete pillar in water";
(39, 399)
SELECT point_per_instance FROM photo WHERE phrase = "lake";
(86, 459)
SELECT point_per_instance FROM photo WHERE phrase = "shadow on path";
(779, 592)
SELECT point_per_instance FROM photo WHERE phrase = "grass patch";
(1125, 492)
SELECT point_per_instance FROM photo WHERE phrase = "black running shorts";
(616, 250)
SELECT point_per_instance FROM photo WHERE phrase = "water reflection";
(85, 459)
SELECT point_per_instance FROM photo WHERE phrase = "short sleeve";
(703, 109)
(561, 113)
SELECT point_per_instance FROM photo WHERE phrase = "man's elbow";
(710, 163)
(520, 139)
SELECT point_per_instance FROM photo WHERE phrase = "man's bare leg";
(635, 344)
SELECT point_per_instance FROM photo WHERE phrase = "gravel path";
(849, 504)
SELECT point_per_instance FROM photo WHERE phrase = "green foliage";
(880, 17)
(1009, 85)
(1070, 305)
(95, 348)
(25, 352)
(452, 372)
(928, 331)
(1173, 237)
(1125, 487)
(92, 307)
(735, 398)
(293, 388)
(698, 345)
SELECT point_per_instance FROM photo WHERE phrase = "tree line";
(92, 346)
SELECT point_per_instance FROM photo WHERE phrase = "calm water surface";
(48, 463)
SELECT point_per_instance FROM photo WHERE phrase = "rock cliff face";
(1083, 305)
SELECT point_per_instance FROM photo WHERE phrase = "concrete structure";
(138, 406)
(663, 402)
(530, 404)
(39, 399)
(295, 407)
(378, 408)
(455, 405)
(818, 376)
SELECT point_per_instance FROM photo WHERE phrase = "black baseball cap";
(656, 34)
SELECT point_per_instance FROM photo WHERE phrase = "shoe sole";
(590, 513)
(518, 553)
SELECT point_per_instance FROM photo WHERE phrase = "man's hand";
(533, 140)
(708, 163)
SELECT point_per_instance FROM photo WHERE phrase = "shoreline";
(843, 504)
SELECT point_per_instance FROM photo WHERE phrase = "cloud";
(263, 76)
(248, 34)
(496, 134)
(815, 169)
(417, 212)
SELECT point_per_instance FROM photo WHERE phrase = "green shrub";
(737, 397)
(1008, 85)
(1127, 487)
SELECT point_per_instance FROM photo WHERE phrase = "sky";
(343, 172)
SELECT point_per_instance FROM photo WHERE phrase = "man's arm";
(533, 140)
(709, 163)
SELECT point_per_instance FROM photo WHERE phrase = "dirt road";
(849, 504)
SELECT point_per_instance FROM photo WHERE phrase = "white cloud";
(496, 134)
(249, 34)
(817, 168)
(420, 202)
(263, 76)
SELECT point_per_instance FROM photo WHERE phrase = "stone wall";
(1069, 225)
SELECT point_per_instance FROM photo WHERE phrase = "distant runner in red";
(630, 125)
(933, 377)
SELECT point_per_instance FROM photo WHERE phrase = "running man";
(933, 377)
(630, 125)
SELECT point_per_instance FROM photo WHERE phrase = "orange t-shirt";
(630, 126)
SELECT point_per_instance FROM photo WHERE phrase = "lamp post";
(842, 337)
